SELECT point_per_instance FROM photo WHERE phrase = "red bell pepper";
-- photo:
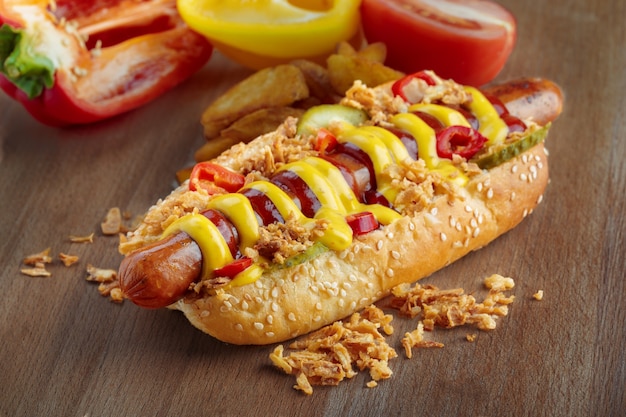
(76, 62)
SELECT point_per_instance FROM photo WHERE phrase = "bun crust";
(288, 302)
(441, 223)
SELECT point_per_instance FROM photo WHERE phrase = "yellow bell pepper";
(261, 33)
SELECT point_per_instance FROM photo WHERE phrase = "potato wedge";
(318, 80)
(258, 123)
(277, 86)
(343, 70)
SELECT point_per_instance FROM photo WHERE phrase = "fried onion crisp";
(68, 260)
(112, 224)
(329, 355)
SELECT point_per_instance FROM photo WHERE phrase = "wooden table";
(67, 351)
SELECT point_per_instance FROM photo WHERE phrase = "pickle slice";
(311, 252)
(514, 149)
(325, 114)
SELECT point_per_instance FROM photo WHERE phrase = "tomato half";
(466, 40)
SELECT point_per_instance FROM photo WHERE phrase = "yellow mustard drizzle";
(491, 125)
(215, 251)
(444, 114)
(337, 236)
(237, 208)
(427, 147)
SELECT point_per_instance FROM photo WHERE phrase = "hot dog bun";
(433, 232)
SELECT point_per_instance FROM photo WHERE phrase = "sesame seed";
(343, 293)
(473, 223)
(353, 305)
(540, 199)
(269, 334)
(205, 313)
(479, 186)
(318, 306)
(513, 195)
(443, 236)
(291, 317)
(239, 327)
(370, 271)
(525, 213)
(540, 165)
(537, 158)
(523, 177)
(490, 193)
(341, 302)
(258, 326)
(258, 284)
(434, 211)
(351, 257)
(258, 299)
(514, 169)
(458, 227)
(395, 254)
(314, 289)
(316, 263)
(352, 278)
(275, 307)
(389, 273)
(275, 292)
(363, 300)
(457, 244)
(379, 245)
(244, 305)
(270, 319)
(452, 221)
(342, 254)
(476, 232)
(468, 208)
(370, 285)
(347, 285)
(525, 158)
(390, 235)
(480, 219)
(317, 318)
(411, 226)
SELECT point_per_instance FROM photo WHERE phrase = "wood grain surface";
(67, 351)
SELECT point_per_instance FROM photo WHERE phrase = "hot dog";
(306, 225)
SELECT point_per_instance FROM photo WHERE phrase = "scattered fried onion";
(327, 356)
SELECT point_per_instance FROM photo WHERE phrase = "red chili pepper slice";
(398, 87)
(459, 140)
(325, 142)
(214, 178)
(362, 223)
(233, 268)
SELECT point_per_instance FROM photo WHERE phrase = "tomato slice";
(362, 223)
(214, 178)
(466, 40)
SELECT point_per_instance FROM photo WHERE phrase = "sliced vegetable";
(233, 268)
(325, 141)
(263, 33)
(326, 114)
(398, 88)
(459, 140)
(135, 52)
(362, 223)
(214, 178)
(514, 149)
(466, 40)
